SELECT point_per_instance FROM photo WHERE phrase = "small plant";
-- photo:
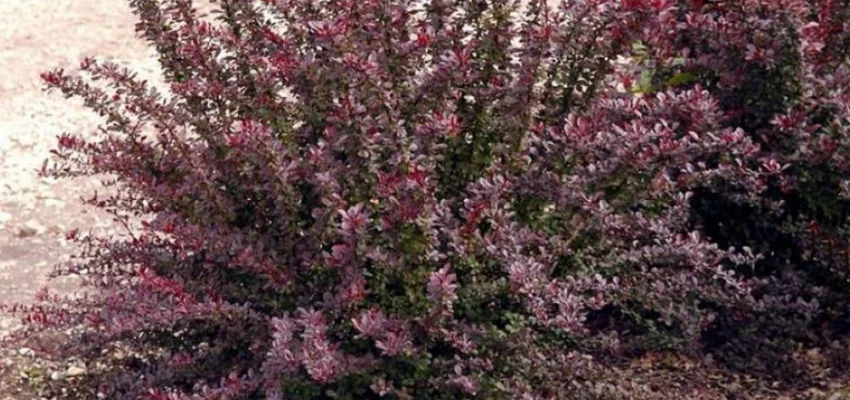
(460, 199)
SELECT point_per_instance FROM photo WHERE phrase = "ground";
(35, 213)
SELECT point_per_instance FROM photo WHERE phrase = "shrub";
(456, 199)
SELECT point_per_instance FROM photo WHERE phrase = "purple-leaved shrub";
(461, 199)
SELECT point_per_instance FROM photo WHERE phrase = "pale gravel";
(35, 213)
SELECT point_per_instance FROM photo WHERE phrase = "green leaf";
(644, 84)
(680, 78)
(678, 62)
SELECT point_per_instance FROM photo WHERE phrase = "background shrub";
(457, 199)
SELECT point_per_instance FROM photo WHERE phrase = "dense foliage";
(446, 199)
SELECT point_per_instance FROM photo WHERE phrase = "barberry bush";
(447, 199)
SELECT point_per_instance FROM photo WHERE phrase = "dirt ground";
(35, 213)
(37, 35)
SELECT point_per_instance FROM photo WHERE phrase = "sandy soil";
(35, 213)
(37, 35)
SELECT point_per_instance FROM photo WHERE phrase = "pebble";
(30, 229)
(26, 351)
(75, 371)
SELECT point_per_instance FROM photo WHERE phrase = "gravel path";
(37, 35)
(35, 213)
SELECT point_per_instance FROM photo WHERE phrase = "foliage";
(461, 199)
